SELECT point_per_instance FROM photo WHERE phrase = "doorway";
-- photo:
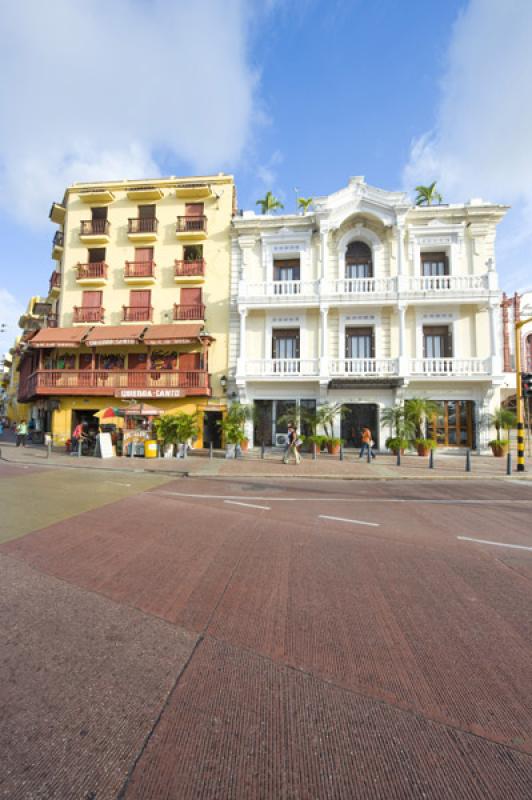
(358, 416)
(212, 433)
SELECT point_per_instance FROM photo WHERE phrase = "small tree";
(503, 419)
(165, 429)
(269, 203)
(427, 195)
(326, 415)
(417, 412)
(401, 426)
(304, 203)
(186, 427)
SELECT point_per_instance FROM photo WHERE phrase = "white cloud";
(10, 311)
(481, 143)
(93, 91)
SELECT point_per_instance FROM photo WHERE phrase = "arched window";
(358, 261)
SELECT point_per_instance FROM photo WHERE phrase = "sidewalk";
(446, 466)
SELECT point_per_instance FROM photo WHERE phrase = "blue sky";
(282, 93)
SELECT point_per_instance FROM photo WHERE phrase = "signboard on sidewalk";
(149, 393)
(105, 445)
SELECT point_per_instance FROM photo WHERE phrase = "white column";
(495, 349)
(241, 363)
(403, 360)
(324, 233)
(324, 344)
(400, 245)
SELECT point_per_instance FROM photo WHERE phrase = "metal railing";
(94, 270)
(55, 280)
(184, 268)
(94, 227)
(66, 379)
(59, 239)
(137, 313)
(191, 224)
(139, 269)
(88, 314)
(142, 225)
(192, 311)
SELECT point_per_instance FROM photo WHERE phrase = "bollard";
(211, 450)
(262, 451)
(49, 449)
(509, 464)
(80, 442)
(468, 461)
(431, 459)
(314, 451)
(398, 458)
(369, 453)
(341, 452)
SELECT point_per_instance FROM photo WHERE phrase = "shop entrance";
(453, 423)
(358, 416)
(212, 433)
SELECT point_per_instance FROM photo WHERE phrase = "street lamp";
(518, 396)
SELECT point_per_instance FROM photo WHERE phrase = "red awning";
(59, 337)
(172, 334)
(114, 334)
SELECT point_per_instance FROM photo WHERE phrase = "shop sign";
(149, 393)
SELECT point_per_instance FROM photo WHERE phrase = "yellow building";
(138, 303)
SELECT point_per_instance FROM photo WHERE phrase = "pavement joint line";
(247, 505)
(412, 712)
(353, 521)
(495, 544)
(420, 500)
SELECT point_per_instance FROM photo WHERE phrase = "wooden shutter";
(191, 296)
(189, 361)
(91, 299)
(143, 254)
(194, 210)
(140, 298)
(137, 361)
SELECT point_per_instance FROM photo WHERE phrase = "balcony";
(58, 244)
(449, 285)
(143, 194)
(189, 271)
(142, 229)
(201, 191)
(274, 293)
(118, 383)
(137, 314)
(139, 272)
(450, 367)
(364, 367)
(92, 231)
(96, 195)
(93, 273)
(293, 368)
(196, 311)
(52, 321)
(55, 284)
(191, 228)
(57, 213)
(364, 288)
(88, 314)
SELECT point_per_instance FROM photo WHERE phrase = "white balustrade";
(447, 283)
(364, 366)
(271, 291)
(282, 367)
(450, 366)
(364, 286)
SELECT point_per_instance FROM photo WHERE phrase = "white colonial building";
(367, 301)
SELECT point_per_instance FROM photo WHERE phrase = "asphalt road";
(200, 638)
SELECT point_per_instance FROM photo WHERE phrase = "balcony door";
(91, 299)
(358, 261)
(99, 219)
(359, 343)
(453, 423)
(434, 265)
(194, 210)
(285, 350)
(286, 270)
(143, 261)
(437, 342)
(146, 219)
(189, 361)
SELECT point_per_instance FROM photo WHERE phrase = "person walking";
(22, 433)
(367, 443)
(293, 442)
(78, 435)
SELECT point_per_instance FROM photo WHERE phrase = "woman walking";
(293, 442)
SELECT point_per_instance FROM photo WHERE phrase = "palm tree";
(304, 203)
(327, 413)
(269, 203)
(417, 411)
(503, 418)
(427, 195)
(401, 426)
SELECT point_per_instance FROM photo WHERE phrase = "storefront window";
(453, 423)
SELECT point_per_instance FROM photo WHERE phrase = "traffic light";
(526, 384)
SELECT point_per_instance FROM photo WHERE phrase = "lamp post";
(518, 396)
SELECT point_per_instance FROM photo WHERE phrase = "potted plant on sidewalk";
(417, 412)
(424, 446)
(186, 429)
(166, 434)
(401, 428)
(501, 419)
(334, 445)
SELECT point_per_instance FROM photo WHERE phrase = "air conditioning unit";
(281, 439)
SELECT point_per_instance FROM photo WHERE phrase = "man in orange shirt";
(366, 442)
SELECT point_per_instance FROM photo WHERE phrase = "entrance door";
(356, 417)
(263, 419)
(453, 423)
(212, 433)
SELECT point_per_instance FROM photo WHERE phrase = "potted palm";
(417, 412)
(501, 419)
(239, 414)
(166, 434)
(401, 428)
(186, 428)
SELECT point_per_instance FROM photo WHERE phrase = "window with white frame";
(434, 264)
(359, 343)
(358, 261)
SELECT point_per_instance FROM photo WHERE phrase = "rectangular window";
(91, 299)
(285, 344)
(96, 255)
(286, 270)
(434, 264)
(437, 342)
(194, 209)
(147, 212)
(359, 343)
(453, 423)
(358, 271)
(140, 298)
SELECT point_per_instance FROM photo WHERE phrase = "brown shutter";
(140, 298)
(91, 299)
(143, 254)
(189, 361)
(191, 296)
(146, 212)
(194, 210)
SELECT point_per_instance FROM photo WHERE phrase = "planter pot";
(395, 451)
(244, 445)
(499, 450)
(168, 451)
(422, 451)
(315, 450)
(230, 451)
(333, 449)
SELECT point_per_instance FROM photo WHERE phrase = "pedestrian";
(293, 444)
(78, 434)
(367, 442)
(22, 433)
